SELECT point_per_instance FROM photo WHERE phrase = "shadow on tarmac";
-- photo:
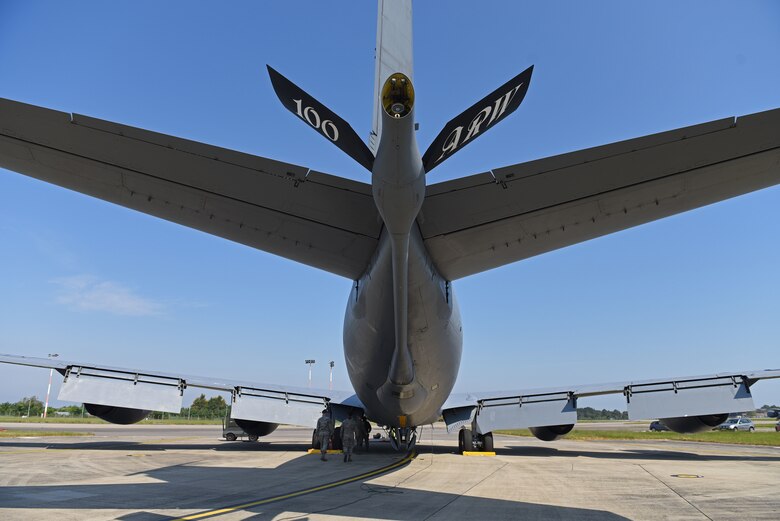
(202, 488)
(630, 454)
(384, 447)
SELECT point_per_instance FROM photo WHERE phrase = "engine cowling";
(256, 428)
(118, 415)
(691, 424)
(551, 432)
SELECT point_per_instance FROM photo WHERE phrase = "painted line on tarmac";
(226, 510)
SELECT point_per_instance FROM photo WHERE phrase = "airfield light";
(48, 389)
(310, 363)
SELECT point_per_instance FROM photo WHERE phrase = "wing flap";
(161, 391)
(311, 217)
(513, 213)
(713, 394)
(276, 407)
(122, 389)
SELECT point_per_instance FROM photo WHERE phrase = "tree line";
(201, 408)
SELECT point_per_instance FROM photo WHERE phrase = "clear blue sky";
(691, 294)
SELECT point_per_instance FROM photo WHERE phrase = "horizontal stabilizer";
(322, 119)
(470, 124)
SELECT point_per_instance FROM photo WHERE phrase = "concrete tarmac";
(162, 472)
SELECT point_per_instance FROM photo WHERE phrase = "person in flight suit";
(348, 437)
(364, 428)
(324, 432)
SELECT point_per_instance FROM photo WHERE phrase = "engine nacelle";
(256, 428)
(118, 415)
(551, 432)
(691, 424)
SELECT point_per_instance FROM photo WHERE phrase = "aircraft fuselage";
(402, 330)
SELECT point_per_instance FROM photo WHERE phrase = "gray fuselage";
(402, 329)
(435, 338)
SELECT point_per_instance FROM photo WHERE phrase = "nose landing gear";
(402, 439)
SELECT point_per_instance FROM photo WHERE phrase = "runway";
(172, 472)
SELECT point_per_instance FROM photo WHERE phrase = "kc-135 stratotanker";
(401, 241)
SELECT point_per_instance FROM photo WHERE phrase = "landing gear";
(253, 437)
(487, 442)
(465, 441)
(402, 438)
(336, 440)
(470, 441)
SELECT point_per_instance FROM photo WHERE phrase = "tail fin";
(393, 53)
(321, 119)
(470, 124)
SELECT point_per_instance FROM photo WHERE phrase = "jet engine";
(551, 432)
(691, 424)
(255, 428)
(118, 415)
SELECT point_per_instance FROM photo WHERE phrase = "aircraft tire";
(315, 440)
(487, 442)
(253, 437)
(230, 436)
(465, 441)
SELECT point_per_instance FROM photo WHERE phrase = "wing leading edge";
(314, 218)
(495, 218)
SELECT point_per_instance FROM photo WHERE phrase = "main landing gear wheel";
(468, 441)
(336, 443)
(253, 437)
(230, 436)
(465, 441)
(487, 442)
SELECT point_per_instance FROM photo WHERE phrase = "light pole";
(48, 389)
(330, 384)
(310, 363)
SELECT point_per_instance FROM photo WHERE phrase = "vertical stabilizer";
(393, 53)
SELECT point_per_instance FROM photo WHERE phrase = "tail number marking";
(310, 116)
(498, 108)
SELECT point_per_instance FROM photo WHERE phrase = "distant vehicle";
(777, 426)
(737, 424)
(657, 426)
(231, 431)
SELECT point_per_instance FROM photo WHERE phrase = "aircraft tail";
(393, 53)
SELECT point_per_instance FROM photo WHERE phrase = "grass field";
(77, 419)
(16, 433)
(737, 438)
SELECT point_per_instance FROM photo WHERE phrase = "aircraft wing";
(310, 217)
(161, 391)
(676, 397)
(494, 218)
